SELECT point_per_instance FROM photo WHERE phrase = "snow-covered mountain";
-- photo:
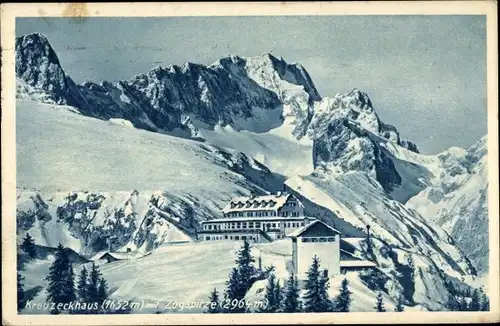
(177, 99)
(89, 166)
(98, 177)
(457, 200)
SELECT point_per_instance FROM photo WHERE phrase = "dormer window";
(233, 205)
(249, 204)
(256, 204)
(263, 203)
(272, 203)
(240, 205)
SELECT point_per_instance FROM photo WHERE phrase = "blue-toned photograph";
(251, 164)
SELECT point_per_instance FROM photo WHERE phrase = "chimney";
(278, 193)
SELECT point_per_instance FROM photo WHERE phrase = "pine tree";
(61, 279)
(93, 284)
(270, 296)
(82, 285)
(28, 246)
(485, 302)
(325, 302)
(452, 304)
(214, 306)
(462, 302)
(245, 265)
(20, 292)
(70, 283)
(380, 303)
(400, 304)
(235, 291)
(312, 299)
(278, 296)
(291, 301)
(343, 300)
(475, 303)
(102, 291)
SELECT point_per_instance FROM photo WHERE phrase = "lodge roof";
(262, 203)
(315, 224)
(258, 219)
(357, 263)
(119, 255)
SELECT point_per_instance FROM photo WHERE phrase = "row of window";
(237, 237)
(230, 237)
(260, 214)
(316, 239)
(251, 225)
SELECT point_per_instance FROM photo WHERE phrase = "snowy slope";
(457, 200)
(60, 150)
(187, 273)
(358, 200)
(71, 167)
(282, 155)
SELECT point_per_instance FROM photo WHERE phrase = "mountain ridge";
(361, 171)
(173, 98)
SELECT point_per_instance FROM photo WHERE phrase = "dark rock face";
(180, 100)
(342, 149)
(165, 98)
(346, 133)
(37, 64)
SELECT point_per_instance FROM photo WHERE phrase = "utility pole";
(368, 237)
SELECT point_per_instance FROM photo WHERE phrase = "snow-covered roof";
(98, 255)
(123, 255)
(301, 230)
(262, 203)
(357, 263)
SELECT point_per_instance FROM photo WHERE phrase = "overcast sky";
(426, 75)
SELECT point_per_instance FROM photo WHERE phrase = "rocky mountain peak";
(38, 66)
(360, 99)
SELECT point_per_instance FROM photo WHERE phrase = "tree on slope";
(270, 297)
(343, 300)
(102, 290)
(291, 301)
(240, 279)
(245, 265)
(323, 286)
(214, 305)
(61, 279)
(380, 303)
(20, 291)
(485, 302)
(475, 303)
(278, 296)
(235, 292)
(316, 297)
(311, 296)
(28, 246)
(82, 285)
(93, 284)
(400, 304)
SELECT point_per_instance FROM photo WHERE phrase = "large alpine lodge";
(257, 219)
